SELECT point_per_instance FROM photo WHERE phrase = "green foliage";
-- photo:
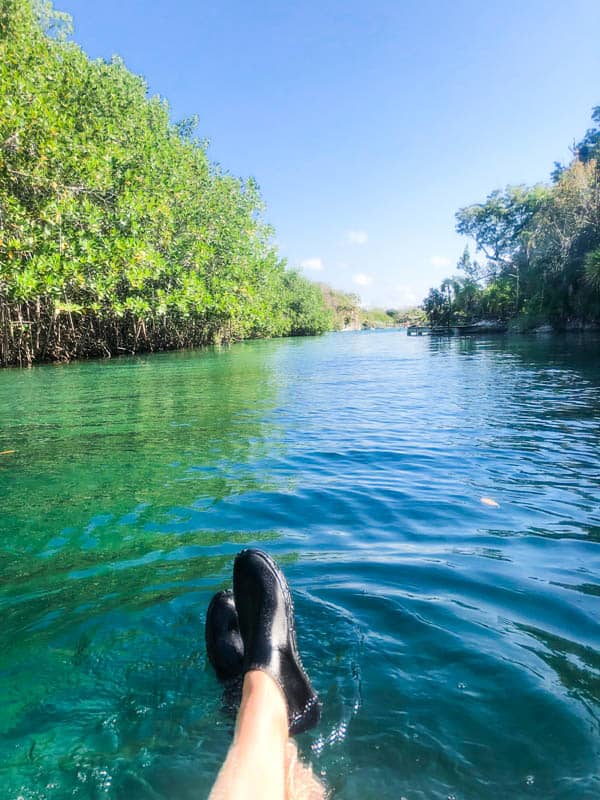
(408, 316)
(592, 268)
(497, 224)
(589, 147)
(305, 304)
(540, 247)
(116, 232)
(378, 318)
(344, 308)
(347, 313)
(437, 307)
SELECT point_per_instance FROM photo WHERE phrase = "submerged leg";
(255, 765)
(262, 762)
(301, 782)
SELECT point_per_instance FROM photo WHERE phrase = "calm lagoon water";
(456, 644)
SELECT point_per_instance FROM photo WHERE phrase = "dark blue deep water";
(435, 505)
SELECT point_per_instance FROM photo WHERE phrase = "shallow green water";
(456, 645)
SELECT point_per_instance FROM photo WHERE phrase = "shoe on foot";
(266, 619)
(224, 645)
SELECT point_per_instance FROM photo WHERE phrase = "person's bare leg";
(301, 781)
(255, 767)
(262, 762)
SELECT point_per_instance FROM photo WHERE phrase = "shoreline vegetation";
(537, 257)
(117, 234)
(347, 313)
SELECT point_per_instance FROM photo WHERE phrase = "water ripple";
(435, 505)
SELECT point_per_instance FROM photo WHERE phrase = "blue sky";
(366, 125)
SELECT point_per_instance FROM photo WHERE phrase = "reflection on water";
(455, 643)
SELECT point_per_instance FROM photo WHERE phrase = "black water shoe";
(266, 619)
(224, 645)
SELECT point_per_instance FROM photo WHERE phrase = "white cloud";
(361, 279)
(405, 295)
(312, 263)
(440, 261)
(358, 237)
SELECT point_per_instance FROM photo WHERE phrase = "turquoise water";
(455, 643)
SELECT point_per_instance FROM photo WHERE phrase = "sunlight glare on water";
(435, 505)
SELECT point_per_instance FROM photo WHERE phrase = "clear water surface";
(455, 643)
